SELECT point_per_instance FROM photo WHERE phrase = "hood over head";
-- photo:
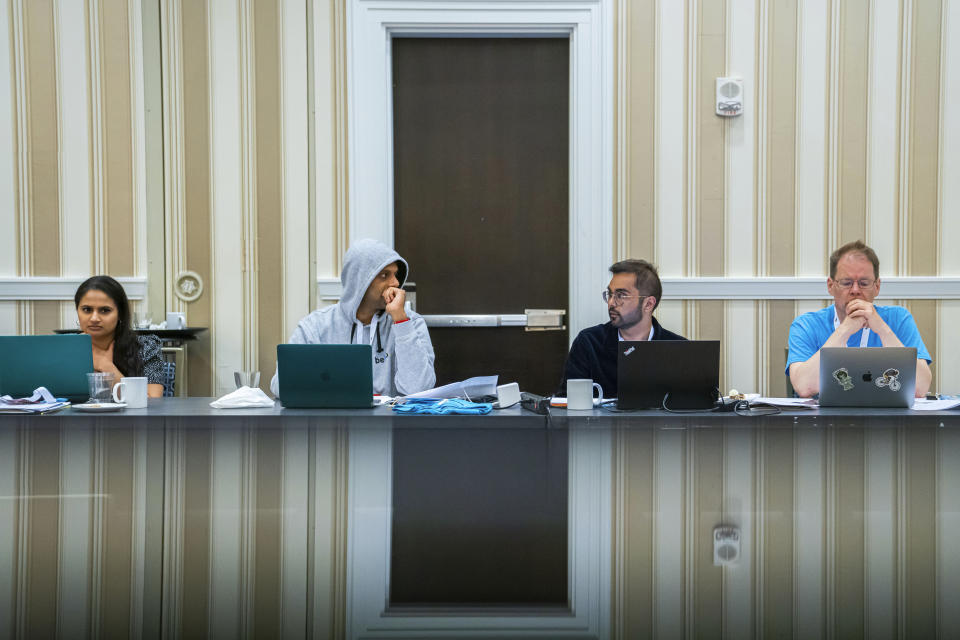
(361, 264)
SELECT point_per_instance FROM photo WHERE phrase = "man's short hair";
(648, 281)
(857, 246)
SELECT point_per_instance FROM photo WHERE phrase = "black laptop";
(676, 374)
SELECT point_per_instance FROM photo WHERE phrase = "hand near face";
(866, 314)
(395, 299)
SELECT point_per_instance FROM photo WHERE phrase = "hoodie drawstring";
(353, 332)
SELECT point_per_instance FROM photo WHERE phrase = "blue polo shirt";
(810, 330)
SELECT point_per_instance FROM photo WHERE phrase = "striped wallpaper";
(148, 137)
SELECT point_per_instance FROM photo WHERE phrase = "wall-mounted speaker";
(729, 96)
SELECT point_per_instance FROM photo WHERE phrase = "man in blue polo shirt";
(852, 320)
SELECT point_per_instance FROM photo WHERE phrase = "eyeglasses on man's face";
(618, 297)
(863, 283)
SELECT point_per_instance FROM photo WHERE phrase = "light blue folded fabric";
(443, 407)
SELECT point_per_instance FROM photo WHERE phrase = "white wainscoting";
(41, 288)
(771, 288)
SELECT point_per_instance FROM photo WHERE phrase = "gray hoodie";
(406, 363)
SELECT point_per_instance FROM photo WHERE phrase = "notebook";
(676, 374)
(319, 376)
(59, 363)
(867, 376)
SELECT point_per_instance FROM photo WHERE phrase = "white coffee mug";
(580, 394)
(176, 320)
(132, 391)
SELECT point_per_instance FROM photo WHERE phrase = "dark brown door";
(481, 196)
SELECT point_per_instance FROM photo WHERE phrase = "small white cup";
(134, 392)
(176, 320)
(580, 394)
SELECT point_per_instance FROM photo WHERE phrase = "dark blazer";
(594, 355)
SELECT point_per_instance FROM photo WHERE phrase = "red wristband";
(400, 321)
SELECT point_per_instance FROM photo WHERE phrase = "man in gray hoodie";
(371, 311)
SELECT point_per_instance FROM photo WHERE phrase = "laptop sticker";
(842, 376)
(890, 380)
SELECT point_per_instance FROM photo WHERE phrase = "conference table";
(182, 520)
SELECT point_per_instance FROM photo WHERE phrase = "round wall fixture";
(188, 286)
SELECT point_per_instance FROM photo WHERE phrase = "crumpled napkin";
(243, 398)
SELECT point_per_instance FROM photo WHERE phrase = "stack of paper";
(42, 401)
(466, 389)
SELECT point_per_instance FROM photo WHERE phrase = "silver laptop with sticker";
(867, 376)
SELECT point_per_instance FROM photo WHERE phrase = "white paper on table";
(922, 404)
(789, 403)
(468, 389)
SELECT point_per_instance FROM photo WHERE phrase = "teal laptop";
(59, 363)
(325, 376)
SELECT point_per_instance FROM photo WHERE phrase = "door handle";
(531, 320)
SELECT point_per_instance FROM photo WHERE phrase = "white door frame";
(588, 23)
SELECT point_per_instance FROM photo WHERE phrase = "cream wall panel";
(9, 206)
(740, 141)
(174, 200)
(223, 20)
(296, 256)
(670, 116)
(74, 131)
(328, 29)
(670, 314)
(949, 201)
(138, 138)
(948, 338)
(739, 343)
(76, 213)
(670, 604)
(812, 49)
(882, 134)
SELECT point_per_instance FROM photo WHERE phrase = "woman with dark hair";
(103, 312)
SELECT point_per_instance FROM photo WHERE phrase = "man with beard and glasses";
(632, 295)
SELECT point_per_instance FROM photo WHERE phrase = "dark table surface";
(200, 410)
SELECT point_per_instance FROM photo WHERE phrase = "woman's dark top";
(152, 359)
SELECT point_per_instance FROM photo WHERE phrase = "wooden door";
(481, 163)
